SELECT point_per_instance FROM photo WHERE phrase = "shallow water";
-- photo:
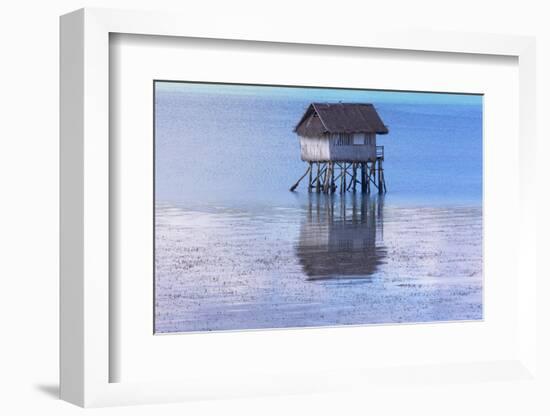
(234, 249)
(332, 261)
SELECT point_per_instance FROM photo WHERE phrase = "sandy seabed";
(330, 262)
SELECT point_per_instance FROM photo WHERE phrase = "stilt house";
(342, 137)
(339, 132)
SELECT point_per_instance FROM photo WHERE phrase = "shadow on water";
(341, 237)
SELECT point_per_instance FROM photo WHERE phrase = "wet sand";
(326, 262)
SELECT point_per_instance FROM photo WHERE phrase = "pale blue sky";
(320, 94)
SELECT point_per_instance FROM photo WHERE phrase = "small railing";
(380, 152)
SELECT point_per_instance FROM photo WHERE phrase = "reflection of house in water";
(341, 237)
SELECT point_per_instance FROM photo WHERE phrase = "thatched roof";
(321, 118)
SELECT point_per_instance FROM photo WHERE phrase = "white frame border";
(84, 183)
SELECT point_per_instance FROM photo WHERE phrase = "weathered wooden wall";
(354, 152)
(315, 149)
(326, 149)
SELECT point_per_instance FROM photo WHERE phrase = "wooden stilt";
(345, 176)
(332, 185)
(293, 187)
(342, 176)
(351, 180)
(369, 172)
(318, 180)
(325, 181)
(310, 185)
(330, 177)
(374, 175)
(363, 181)
(326, 178)
(380, 188)
(354, 176)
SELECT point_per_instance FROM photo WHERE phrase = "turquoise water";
(236, 250)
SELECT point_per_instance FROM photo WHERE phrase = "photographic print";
(293, 207)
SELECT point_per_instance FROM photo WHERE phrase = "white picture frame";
(85, 222)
